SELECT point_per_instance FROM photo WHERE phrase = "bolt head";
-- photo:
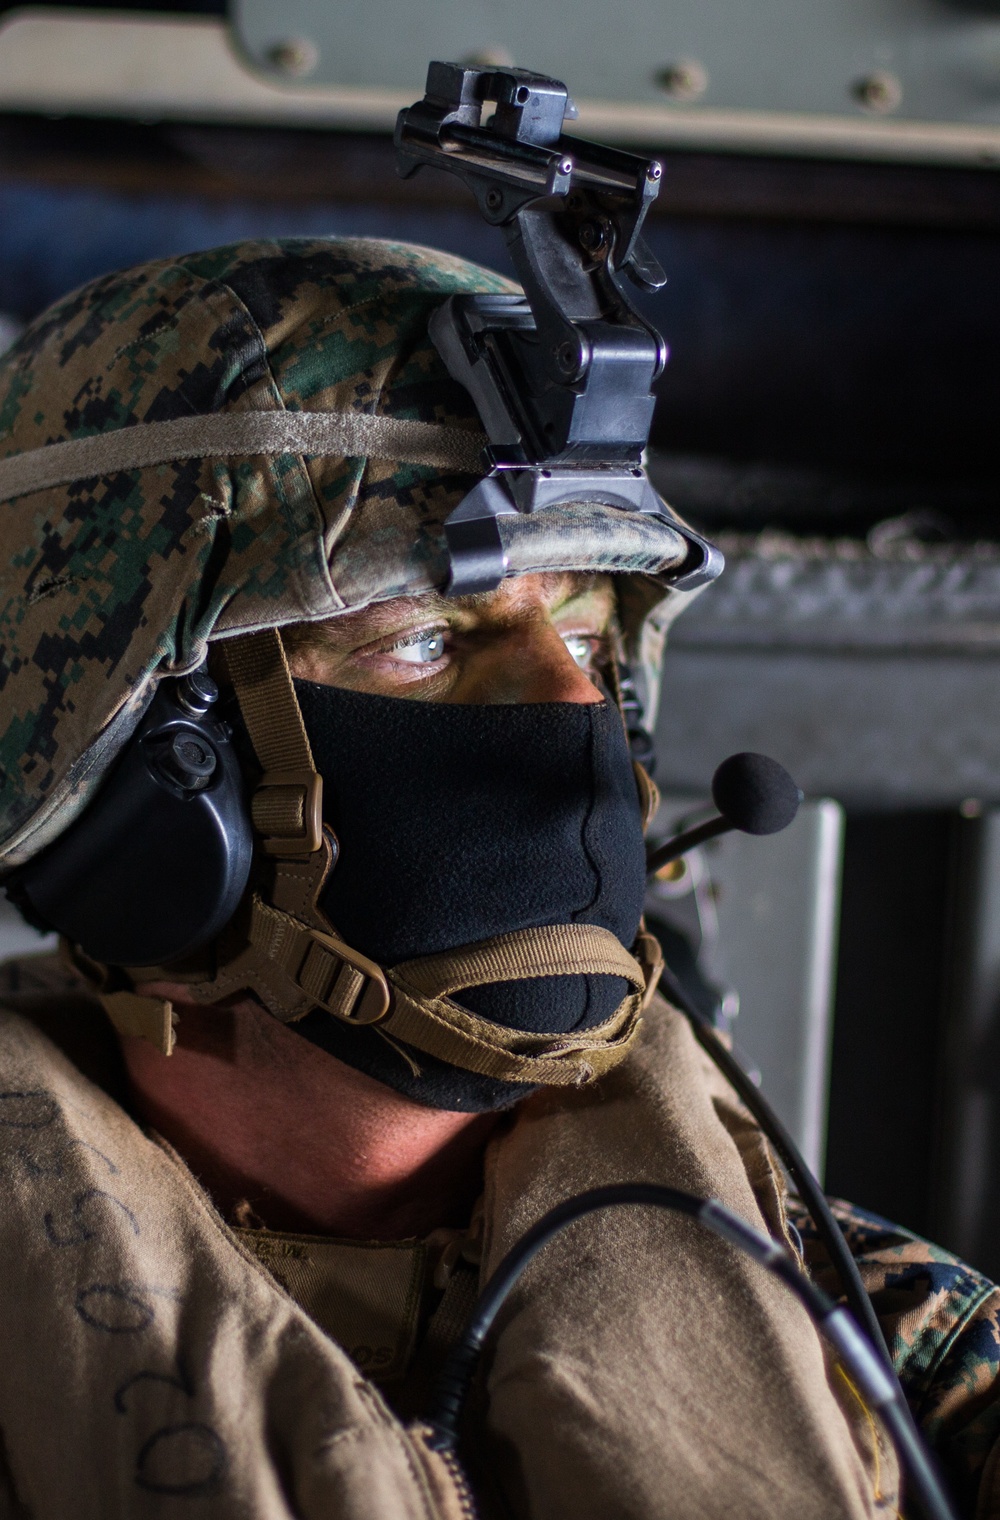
(879, 92)
(187, 760)
(197, 692)
(294, 56)
(684, 79)
(567, 358)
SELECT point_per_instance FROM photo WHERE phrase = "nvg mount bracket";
(562, 376)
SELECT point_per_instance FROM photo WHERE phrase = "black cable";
(879, 1390)
(810, 1192)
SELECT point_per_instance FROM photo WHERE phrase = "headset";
(156, 866)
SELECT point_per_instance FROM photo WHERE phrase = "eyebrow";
(379, 616)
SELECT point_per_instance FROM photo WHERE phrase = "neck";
(278, 1130)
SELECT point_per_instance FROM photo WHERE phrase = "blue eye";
(581, 648)
(422, 648)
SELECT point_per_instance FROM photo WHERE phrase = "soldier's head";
(235, 467)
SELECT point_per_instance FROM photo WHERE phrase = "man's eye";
(583, 648)
(421, 648)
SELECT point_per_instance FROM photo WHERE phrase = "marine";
(253, 1188)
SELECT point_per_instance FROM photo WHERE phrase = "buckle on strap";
(344, 982)
(287, 811)
(340, 980)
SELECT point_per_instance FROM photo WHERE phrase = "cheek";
(380, 672)
(379, 675)
(325, 667)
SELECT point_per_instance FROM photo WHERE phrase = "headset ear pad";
(156, 866)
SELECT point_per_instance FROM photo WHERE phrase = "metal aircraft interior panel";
(936, 61)
(916, 80)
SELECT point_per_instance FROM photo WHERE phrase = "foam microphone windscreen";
(755, 794)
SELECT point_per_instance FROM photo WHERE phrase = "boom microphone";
(753, 794)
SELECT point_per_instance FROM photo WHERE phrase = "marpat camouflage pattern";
(941, 1322)
(113, 582)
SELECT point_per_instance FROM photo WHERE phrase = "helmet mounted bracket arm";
(562, 377)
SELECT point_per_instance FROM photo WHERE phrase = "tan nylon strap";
(333, 975)
(225, 435)
(428, 1021)
(258, 669)
(461, 1038)
(287, 806)
(145, 1018)
(554, 950)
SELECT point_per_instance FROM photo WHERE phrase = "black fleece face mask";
(460, 822)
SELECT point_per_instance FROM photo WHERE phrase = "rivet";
(684, 79)
(879, 92)
(295, 56)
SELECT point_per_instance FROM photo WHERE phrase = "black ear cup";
(156, 865)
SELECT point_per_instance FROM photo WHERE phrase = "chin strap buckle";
(346, 984)
(287, 806)
(332, 975)
(287, 812)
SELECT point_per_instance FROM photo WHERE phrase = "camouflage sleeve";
(941, 1322)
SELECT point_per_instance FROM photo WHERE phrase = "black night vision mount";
(562, 377)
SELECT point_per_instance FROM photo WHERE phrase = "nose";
(528, 662)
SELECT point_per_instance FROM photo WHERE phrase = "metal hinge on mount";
(562, 377)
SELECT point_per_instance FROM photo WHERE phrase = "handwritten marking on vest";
(55, 1165)
(36, 1109)
(181, 1379)
(186, 1461)
(182, 1460)
(84, 1232)
(115, 1309)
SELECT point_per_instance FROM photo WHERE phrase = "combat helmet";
(199, 452)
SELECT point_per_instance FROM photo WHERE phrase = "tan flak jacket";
(151, 1366)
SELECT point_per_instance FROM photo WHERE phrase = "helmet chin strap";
(281, 947)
